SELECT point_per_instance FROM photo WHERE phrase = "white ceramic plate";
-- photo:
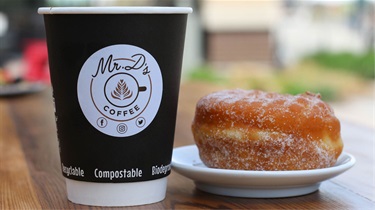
(21, 88)
(253, 184)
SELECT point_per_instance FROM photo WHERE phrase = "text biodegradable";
(156, 170)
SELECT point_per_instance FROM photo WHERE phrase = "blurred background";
(288, 46)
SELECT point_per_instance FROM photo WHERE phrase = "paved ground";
(358, 109)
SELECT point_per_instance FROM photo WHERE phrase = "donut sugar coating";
(256, 130)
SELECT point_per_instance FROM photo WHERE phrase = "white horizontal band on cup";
(116, 194)
(114, 10)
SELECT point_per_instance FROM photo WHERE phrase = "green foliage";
(327, 93)
(206, 74)
(307, 76)
(362, 65)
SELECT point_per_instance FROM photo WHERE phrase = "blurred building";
(282, 32)
(308, 27)
(279, 32)
(238, 31)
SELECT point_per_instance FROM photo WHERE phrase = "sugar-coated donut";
(256, 130)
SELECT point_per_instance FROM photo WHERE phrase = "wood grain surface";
(30, 176)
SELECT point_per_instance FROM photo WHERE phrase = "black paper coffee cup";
(115, 74)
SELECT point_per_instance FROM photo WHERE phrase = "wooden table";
(30, 176)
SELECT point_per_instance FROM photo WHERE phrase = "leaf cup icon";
(121, 91)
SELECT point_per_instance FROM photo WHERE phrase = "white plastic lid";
(116, 194)
(114, 10)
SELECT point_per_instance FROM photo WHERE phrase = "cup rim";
(114, 10)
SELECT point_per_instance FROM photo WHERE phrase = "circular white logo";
(120, 89)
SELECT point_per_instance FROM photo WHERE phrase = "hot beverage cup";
(115, 74)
